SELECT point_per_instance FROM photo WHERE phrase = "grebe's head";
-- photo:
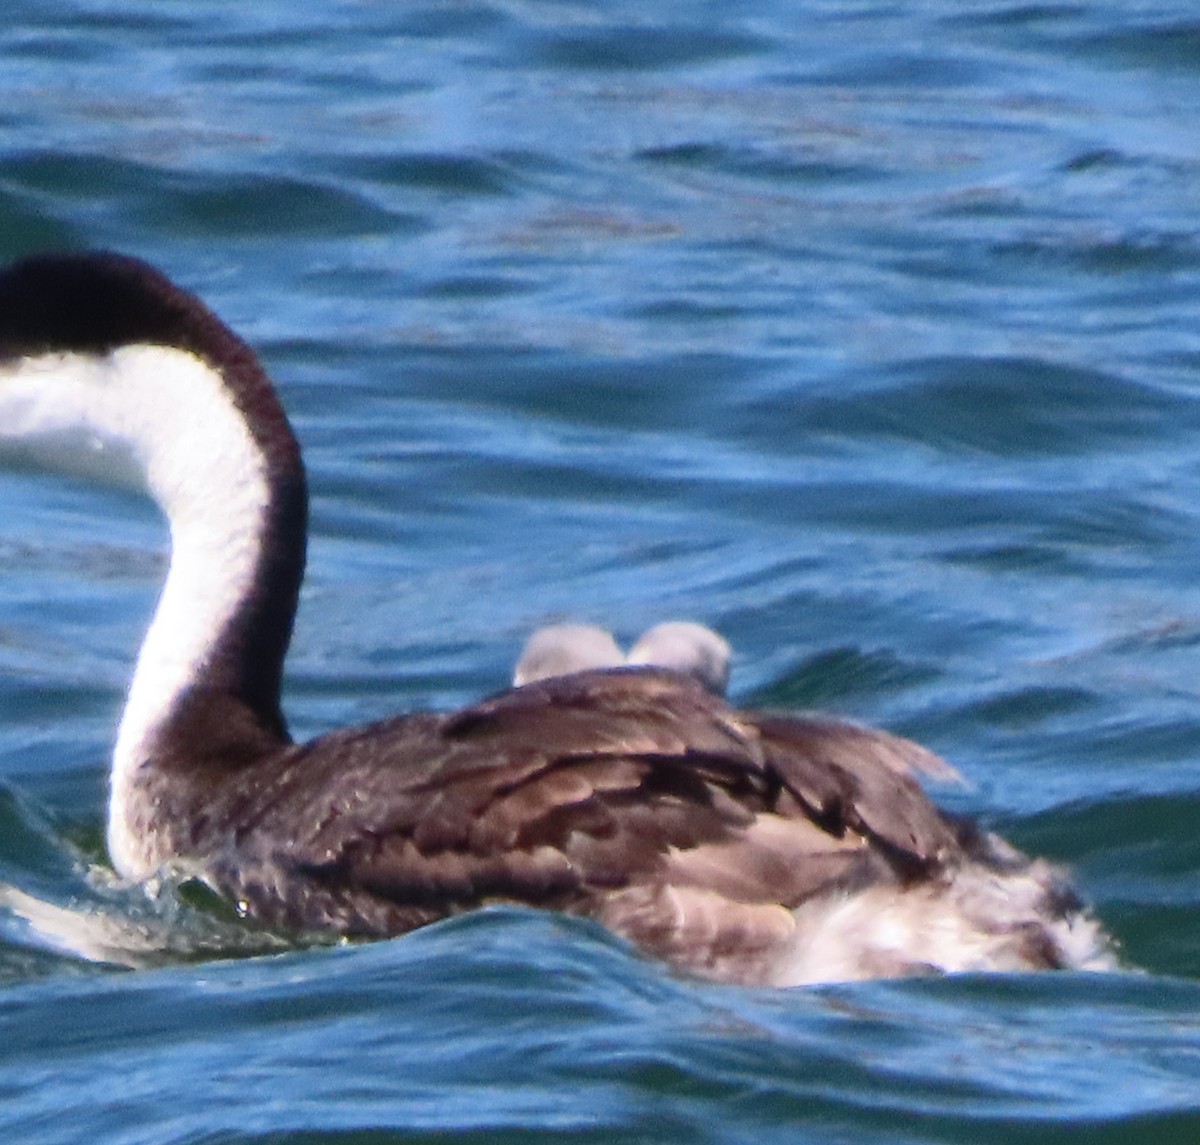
(110, 370)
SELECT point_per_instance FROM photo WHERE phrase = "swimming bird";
(680, 645)
(740, 846)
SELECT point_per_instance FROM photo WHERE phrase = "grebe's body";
(739, 846)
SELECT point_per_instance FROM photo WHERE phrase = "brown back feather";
(635, 796)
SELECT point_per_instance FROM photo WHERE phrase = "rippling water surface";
(866, 333)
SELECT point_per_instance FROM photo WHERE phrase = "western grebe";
(680, 645)
(684, 646)
(736, 845)
(560, 649)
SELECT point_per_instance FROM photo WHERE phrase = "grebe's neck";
(195, 417)
(222, 623)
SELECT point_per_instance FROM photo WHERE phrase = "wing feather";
(634, 796)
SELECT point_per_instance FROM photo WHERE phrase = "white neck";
(168, 413)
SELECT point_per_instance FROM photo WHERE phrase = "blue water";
(866, 333)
